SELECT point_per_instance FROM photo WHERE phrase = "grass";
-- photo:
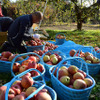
(89, 38)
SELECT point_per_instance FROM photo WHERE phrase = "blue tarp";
(68, 45)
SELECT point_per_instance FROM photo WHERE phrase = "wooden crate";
(3, 37)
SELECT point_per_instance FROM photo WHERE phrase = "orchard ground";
(90, 35)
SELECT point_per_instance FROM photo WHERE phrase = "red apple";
(40, 67)
(88, 82)
(6, 54)
(63, 72)
(32, 58)
(82, 72)
(27, 81)
(17, 88)
(32, 65)
(23, 68)
(11, 57)
(11, 94)
(49, 63)
(72, 52)
(4, 59)
(25, 62)
(72, 69)
(78, 75)
(17, 82)
(34, 73)
(16, 66)
(43, 96)
(79, 84)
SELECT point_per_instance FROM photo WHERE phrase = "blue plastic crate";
(93, 68)
(29, 53)
(32, 48)
(47, 66)
(38, 84)
(66, 93)
(60, 41)
(5, 66)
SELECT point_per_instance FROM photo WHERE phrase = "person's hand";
(37, 36)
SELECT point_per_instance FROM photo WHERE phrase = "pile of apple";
(21, 89)
(35, 42)
(59, 36)
(8, 56)
(72, 77)
(50, 46)
(87, 56)
(52, 58)
(31, 62)
(97, 49)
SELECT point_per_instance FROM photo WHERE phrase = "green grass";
(89, 38)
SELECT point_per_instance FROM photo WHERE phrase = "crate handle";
(18, 77)
(12, 63)
(70, 58)
(92, 50)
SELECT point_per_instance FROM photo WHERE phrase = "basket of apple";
(33, 61)
(60, 38)
(6, 58)
(24, 87)
(51, 58)
(71, 82)
(35, 44)
(90, 58)
(97, 50)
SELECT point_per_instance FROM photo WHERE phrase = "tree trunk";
(79, 25)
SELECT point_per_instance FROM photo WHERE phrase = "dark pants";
(9, 46)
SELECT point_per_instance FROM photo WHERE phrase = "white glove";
(36, 36)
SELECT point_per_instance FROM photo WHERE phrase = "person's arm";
(27, 36)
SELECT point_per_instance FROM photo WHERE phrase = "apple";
(72, 69)
(19, 59)
(32, 58)
(82, 73)
(63, 67)
(43, 96)
(52, 55)
(30, 90)
(70, 86)
(16, 67)
(4, 59)
(65, 80)
(89, 57)
(2, 88)
(79, 84)
(32, 65)
(63, 72)
(49, 63)
(40, 67)
(78, 75)
(6, 54)
(54, 60)
(11, 57)
(96, 48)
(27, 74)
(87, 53)
(27, 81)
(21, 96)
(72, 52)
(17, 82)
(46, 58)
(88, 61)
(40, 52)
(23, 68)
(34, 73)
(88, 82)
(17, 88)
(25, 62)
(71, 81)
(11, 94)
